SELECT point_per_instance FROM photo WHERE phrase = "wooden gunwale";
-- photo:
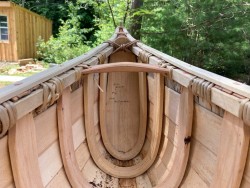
(35, 99)
(11, 91)
(222, 81)
(184, 74)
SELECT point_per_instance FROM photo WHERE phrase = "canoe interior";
(127, 129)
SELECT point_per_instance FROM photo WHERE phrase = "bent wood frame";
(143, 119)
(24, 154)
(73, 172)
(176, 172)
(99, 158)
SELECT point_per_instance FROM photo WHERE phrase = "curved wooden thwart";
(66, 141)
(125, 67)
(23, 153)
(99, 158)
(131, 153)
(233, 150)
(180, 157)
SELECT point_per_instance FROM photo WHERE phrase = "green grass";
(4, 83)
(4, 70)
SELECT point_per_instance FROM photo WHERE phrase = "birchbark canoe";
(125, 115)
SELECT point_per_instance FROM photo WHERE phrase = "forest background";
(211, 34)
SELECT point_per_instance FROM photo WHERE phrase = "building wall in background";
(24, 28)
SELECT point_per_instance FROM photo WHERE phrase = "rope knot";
(101, 57)
(8, 117)
(144, 56)
(202, 88)
(52, 90)
(121, 47)
(164, 64)
(245, 111)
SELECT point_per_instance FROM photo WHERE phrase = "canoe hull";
(175, 127)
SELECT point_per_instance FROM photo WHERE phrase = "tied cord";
(202, 88)
(8, 117)
(51, 92)
(123, 47)
(164, 64)
(144, 56)
(246, 113)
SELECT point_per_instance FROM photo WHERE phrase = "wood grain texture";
(116, 104)
(59, 180)
(99, 158)
(203, 161)
(46, 129)
(206, 123)
(233, 150)
(82, 155)
(6, 177)
(50, 163)
(66, 141)
(227, 102)
(224, 82)
(76, 103)
(23, 153)
(123, 111)
(23, 32)
(180, 157)
(193, 180)
(125, 67)
(247, 168)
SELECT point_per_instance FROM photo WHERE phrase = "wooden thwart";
(125, 67)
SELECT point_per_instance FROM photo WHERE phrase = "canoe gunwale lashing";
(125, 115)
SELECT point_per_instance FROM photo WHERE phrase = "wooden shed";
(19, 31)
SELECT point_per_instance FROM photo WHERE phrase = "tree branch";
(126, 12)
(112, 14)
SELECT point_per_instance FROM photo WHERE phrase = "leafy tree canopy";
(214, 35)
(57, 11)
(210, 34)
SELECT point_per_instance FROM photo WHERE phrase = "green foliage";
(214, 35)
(210, 34)
(56, 10)
(68, 43)
(104, 20)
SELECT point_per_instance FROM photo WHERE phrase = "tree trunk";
(135, 28)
